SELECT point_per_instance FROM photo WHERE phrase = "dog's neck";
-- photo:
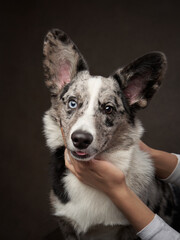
(119, 158)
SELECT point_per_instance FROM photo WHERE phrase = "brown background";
(109, 34)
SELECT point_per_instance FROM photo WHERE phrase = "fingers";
(68, 163)
(76, 167)
(80, 167)
(95, 168)
(100, 166)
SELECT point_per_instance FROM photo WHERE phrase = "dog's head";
(93, 109)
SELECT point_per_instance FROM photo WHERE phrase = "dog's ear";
(140, 79)
(62, 60)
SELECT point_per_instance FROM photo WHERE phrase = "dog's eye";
(108, 109)
(72, 104)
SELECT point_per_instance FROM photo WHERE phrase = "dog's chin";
(81, 156)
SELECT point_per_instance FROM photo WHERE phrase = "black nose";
(81, 139)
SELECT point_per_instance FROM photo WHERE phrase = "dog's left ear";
(142, 78)
(62, 60)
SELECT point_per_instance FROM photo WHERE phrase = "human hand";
(98, 174)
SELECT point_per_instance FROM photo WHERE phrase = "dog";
(98, 117)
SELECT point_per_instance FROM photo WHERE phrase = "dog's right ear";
(62, 60)
(140, 79)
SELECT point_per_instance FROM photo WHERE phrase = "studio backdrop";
(109, 34)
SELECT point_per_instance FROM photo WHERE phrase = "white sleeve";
(157, 229)
(174, 177)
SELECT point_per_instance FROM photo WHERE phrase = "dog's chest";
(87, 207)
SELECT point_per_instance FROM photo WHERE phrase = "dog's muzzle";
(81, 141)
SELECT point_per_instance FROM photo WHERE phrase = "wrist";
(119, 193)
(153, 152)
(138, 214)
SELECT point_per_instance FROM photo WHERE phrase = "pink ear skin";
(133, 90)
(62, 60)
(64, 75)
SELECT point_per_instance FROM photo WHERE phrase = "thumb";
(105, 168)
(100, 165)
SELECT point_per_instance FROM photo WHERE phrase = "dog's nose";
(81, 139)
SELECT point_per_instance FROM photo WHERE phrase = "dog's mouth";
(80, 155)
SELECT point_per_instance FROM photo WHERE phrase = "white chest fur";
(89, 207)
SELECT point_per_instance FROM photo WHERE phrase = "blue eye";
(72, 104)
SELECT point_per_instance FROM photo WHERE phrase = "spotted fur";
(105, 109)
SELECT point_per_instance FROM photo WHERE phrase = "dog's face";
(92, 109)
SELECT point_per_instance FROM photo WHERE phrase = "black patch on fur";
(80, 105)
(58, 34)
(58, 171)
(75, 47)
(64, 91)
(109, 123)
(176, 219)
(81, 65)
(69, 112)
(67, 229)
(157, 208)
(129, 110)
(122, 112)
(169, 207)
(150, 64)
(115, 100)
(149, 91)
(118, 79)
(168, 204)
